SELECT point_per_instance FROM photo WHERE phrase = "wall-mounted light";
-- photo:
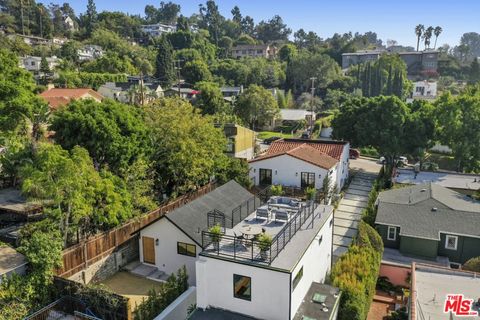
(296, 174)
(254, 170)
(157, 242)
(275, 172)
(319, 176)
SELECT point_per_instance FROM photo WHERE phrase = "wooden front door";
(148, 250)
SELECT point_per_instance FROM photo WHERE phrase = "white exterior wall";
(316, 264)
(246, 154)
(343, 167)
(166, 257)
(288, 170)
(270, 289)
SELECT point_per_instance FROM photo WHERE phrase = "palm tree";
(427, 35)
(419, 31)
(437, 31)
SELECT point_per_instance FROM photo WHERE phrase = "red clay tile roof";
(303, 151)
(332, 149)
(57, 97)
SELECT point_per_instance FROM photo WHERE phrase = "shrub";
(157, 301)
(276, 190)
(472, 265)
(310, 192)
(369, 237)
(264, 241)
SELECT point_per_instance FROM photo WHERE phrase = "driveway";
(367, 165)
(349, 211)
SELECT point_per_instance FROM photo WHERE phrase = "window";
(451, 242)
(242, 287)
(265, 176)
(392, 233)
(307, 179)
(297, 278)
(186, 249)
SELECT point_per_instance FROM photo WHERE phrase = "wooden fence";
(95, 248)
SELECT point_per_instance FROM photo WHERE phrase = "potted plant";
(215, 235)
(276, 190)
(310, 193)
(264, 244)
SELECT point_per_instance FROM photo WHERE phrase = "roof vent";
(434, 209)
(423, 190)
(325, 309)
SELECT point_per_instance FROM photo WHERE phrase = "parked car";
(354, 153)
(402, 161)
(271, 139)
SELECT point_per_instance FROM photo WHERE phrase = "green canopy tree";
(256, 106)
(210, 100)
(114, 134)
(458, 119)
(188, 148)
(196, 71)
(75, 195)
(164, 64)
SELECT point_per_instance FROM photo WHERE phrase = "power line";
(311, 102)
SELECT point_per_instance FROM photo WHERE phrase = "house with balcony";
(302, 163)
(430, 222)
(90, 52)
(241, 275)
(158, 29)
(254, 51)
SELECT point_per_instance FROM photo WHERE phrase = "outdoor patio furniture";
(249, 232)
(284, 203)
(263, 213)
(281, 215)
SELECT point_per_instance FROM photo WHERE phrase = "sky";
(394, 20)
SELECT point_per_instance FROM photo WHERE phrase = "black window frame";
(309, 176)
(186, 253)
(236, 278)
(298, 277)
(260, 179)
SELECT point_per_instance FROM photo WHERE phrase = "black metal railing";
(60, 308)
(244, 210)
(252, 249)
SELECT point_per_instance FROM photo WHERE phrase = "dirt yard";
(131, 286)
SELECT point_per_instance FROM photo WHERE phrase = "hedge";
(356, 273)
(472, 265)
(92, 80)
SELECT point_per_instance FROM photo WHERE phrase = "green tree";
(419, 32)
(474, 75)
(287, 52)
(437, 31)
(196, 71)
(188, 148)
(164, 63)
(91, 17)
(113, 133)
(273, 30)
(236, 15)
(457, 127)
(210, 100)
(256, 106)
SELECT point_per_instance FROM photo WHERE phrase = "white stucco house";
(237, 280)
(302, 163)
(130, 92)
(175, 239)
(424, 90)
(32, 63)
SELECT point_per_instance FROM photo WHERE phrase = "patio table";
(250, 231)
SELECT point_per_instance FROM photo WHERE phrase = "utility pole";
(40, 18)
(21, 12)
(311, 102)
(142, 95)
(177, 64)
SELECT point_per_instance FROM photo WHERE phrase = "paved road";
(349, 211)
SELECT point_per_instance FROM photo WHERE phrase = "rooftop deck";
(296, 232)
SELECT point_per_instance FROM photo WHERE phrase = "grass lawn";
(268, 134)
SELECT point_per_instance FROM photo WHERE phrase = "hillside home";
(239, 273)
(89, 52)
(32, 64)
(129, 92)
(241, 141)
(429, 220)
(176, 239)
(185, 93)
(302, 163)
(58, 97)
(230, 94)
(254, 51)
(424, 90)
(158, 29)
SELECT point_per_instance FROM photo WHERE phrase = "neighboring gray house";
(32, 63)
(230, 94)
(429, 220)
